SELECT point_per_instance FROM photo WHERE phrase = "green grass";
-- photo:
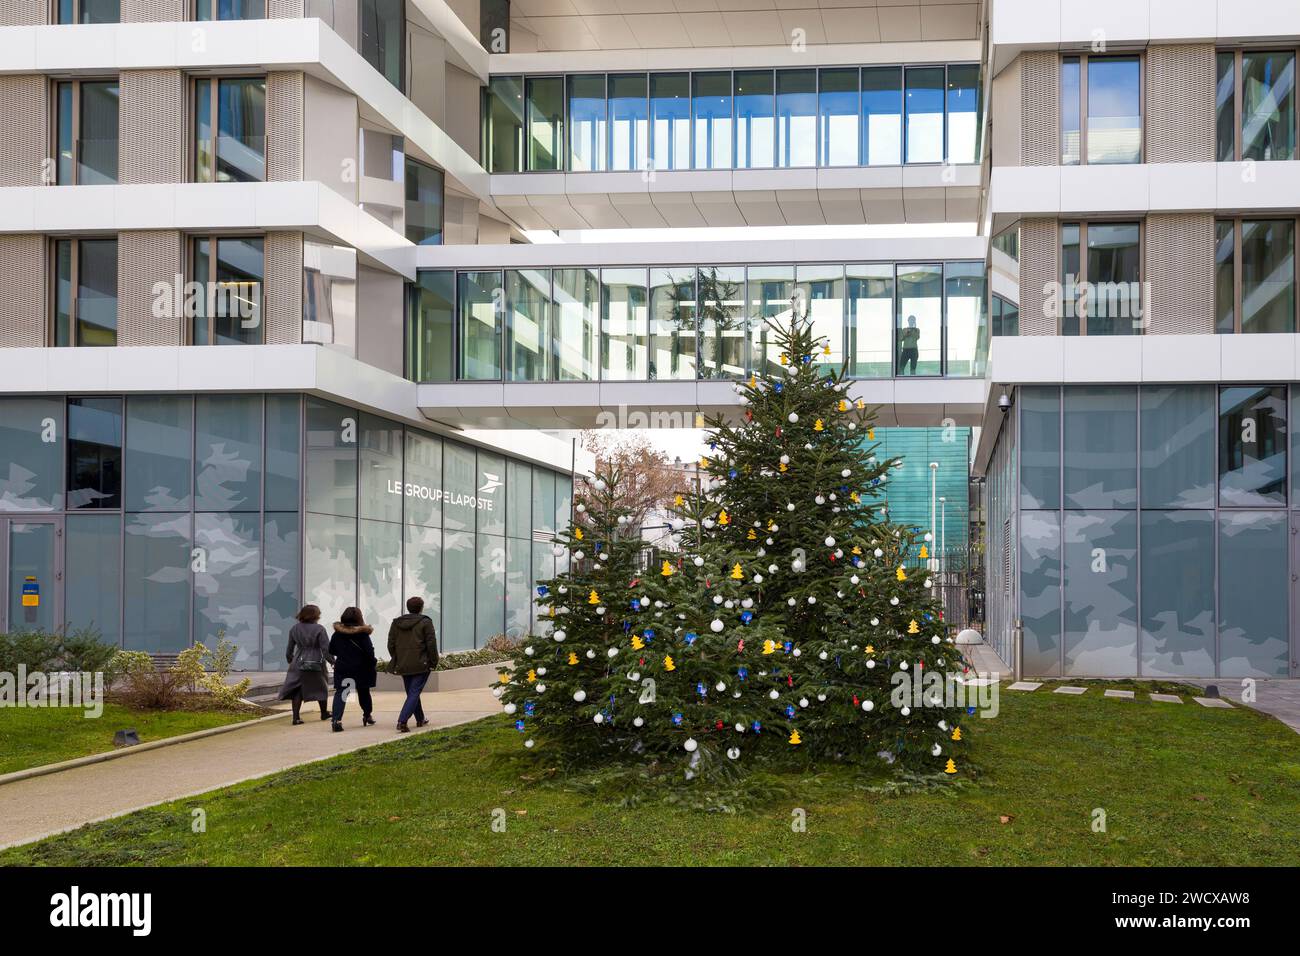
(33, 736)
(1180, 785)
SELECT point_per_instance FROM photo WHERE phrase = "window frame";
(1084, 57)
(1237, 310)
(76, 83)
(74, 285)
(1238, 139)
(1083, 225)
(193, 13)
(214, 106)
(76, 13)
(192, 241)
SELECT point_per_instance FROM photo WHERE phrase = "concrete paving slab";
(1024, 685)
(1070, 690)
(1212, 702)
(1167, 698)
(1121, 694)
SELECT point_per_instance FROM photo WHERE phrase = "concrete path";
(1280, 697)
(41, 806)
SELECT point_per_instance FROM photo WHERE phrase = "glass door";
(32, 561)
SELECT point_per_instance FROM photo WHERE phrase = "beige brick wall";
(1179, 253)
(152, 145)
(1040, 263)
(145, 258)
(23, 290)
(282, 289)
(1040, 111)
(24, 129)
(1180, 93)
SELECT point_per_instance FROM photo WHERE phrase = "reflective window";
(1100, 448)
(519, 587)
(1040, 446)
(672, 323)
(629, 119)
(771, 299)
(963, 115)
(755, 124)
(424, 485)
(1071, 103)
(1252, 446)
(383, 38)
(924, 102)
(228, 583)
(528, 297)
(1040, 592)
(966, 334)
(544, 501)
(838, 107)
(625, 324)
(459, 473)
(882, 115)
(491, 491)
(230, 130)
(1225, 100)
(920, 319)
(576, 318)
(1071, 278)
(1114, 278)
(1177, 593)
(796, 118)
(519, 499)
(227, 453)
(281, 582)
(711, 107)
(543, 571)
(1268, 275)
(87, 125)
(156, 593)
(458, 579)
(670, 120)
(430, 327)
(1268, 105)
(331, 465)
(93, 573)
(480, 325)
(1253, 587)
(94, 453)
(1114, 110)
(424, 203)
(329, 295)
(330, 566)
(379, 572)
(229, 310)
(871, 319)
(159, 449)
(422, 572)
(490, 588)
(85, 292)
(722, 322)
(545, 123)
(503, 124)
(31, 465)
(1100, 590)
(587, 119)
(1004, 317)
(230, 10)
(1225, 274)
(283, 427)
(380, 468)
(1178, 435)
(89, 11)
(821, 294)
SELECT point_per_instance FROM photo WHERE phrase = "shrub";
(144, 686)
(147, 687)
(82, 650)
(85, 650)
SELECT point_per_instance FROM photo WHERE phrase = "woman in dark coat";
(307, 654)
(354, 665)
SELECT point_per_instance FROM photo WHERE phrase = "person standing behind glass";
(909, 340)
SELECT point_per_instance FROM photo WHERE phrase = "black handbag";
(309, 667)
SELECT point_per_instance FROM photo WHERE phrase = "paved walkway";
(1281, 698)
(41, 806)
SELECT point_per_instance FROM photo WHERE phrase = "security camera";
(1004, 402)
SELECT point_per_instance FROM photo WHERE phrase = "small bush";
(85, 650)
(82, 650)
(35, 650)
(146, 687)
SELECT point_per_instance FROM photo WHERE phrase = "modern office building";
(280, 290)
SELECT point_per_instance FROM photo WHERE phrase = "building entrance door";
(31, 560)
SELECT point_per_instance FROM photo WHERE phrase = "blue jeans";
(414, 684)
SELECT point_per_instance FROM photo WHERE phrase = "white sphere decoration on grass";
(510, 708)
(690, 745)
(559, 637)
(868, 706)
(716, 626)
(580, 695)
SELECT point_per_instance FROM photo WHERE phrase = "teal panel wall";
(907, 493)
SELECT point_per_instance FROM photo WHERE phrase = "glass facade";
(685, 322)
(424, 203)
(186, 519)
(1152, 528)
(1259, 87)
(725, 119)
(1101, 109)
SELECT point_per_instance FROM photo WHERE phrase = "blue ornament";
(742, 673)
(519, 726)
(635, 604)
(779, 387)
(627, 626)
(789, 710)
(789, 646)
(528, 708)
(701, 690)
(542, 590)
(677, 720)
(970, 710)
(648, 634)
(691, 637)
(758, 727)
(746, 617)
(732, 473)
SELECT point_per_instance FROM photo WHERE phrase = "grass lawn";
(1180, 785)
(32, 736)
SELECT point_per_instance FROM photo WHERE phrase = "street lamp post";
(934, 473)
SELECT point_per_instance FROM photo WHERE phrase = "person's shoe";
(403, 729)
(297, 721)
(337, 727)
(367, 720)
(422, 723)
(325, 716)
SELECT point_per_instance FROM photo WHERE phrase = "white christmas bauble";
(785, 459)
(929, 583)
(559, 637)
(728, 604)
(557, 550)
(599, 718)
(690, 745)
(716, 626)
(853, 427)
(699, 562)
(822, 655)
(821, 697)
(936, 750)
(868, 706)
(854, 579)
(790, 506)
(717, 599)
(637, 721)
(796, 565)
(893, 601)
(578, 555)
(790, 601)
(796, 652)
(773, 694)
(541, 688)
(529, 743)
(775, 528)
(612, 652)
(733, 753)
(510, 708)
(812, 599)
(875, 622)
(599, 484)
(929, 536)
(792, 417)
(943, 725)
(580, 695)
(871, 665)
(590, 654)
(878, 553)
(846, 472)
(903, 666)
(803, 701)
(581, 508)
(830, 541)
(496, 691)
(720, 686)
(747, 602)
(758, 579)
(820, 499)
(772, 569)
(678, 524)
(935, 639)
(541, 670)
(740, 728)
(600, 612)
(906, 711)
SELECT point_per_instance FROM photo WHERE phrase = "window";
(383, 38)
(882, 115)
(1255, 275)
(965, 333)
(94, 453)
(31, 434)
(528, 301)
(1255, 105)
(838, 106)
(670, 120)
(545, 122)
(229, 271)
(871, 319)
(1252, 446)
(920, 319)
(1004, 317)
(329, 295)
(629, 118)
(494, 25)
(624, 324)
(577, 321)
(1100, 447)
(722, 322)
(89, 11)
(230, 130)
(85, 292)
(924, 104)
(771, 299)
(755, 119)
(587, 123)
(963, 113)
(711, 107)
(424, 203)
(796, 118)
(87, 133)
(480, 325)
(1101, 278)
(230, 9)
(672, 323)
(430, 327)
(503, 124)
(1105, 92)
(820, 293)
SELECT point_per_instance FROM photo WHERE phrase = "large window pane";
(672, 323)
(1268, 275)
(882, 115)
(838, 109)
(1040, 447)
(519, 587)
(1225, 98)
(1100, 447)
(1178, 425)
(1071, 277)
(480, 325)
(771, 301)
(1071, 104)
(544, 501)
(458, 578)
(429, 334)
(1253, 587)
(97, 145)
(379, 573)
(1114, 275)
(966, 335)
(1224, 277)
(424, 203)
(711, 107)
(94, 453)
(1040, 592)
(528, 329)
(92, 592)
(380, 472)
(543, 570)
(459, 470)
(31, 463)
(329, 296)
(283, 427)
(755, 123)
(1177, 593)
(577, 307)
(85, 292)
(963, 117)
(629, 118)
(159, 443)
(1252, 446)
(156, 600)
(587, 121)
(331, 466)
(241, 130)
(230, 10)
(625, 324)
(503, 124)
(519, 499)
(230, 311)
(796, 118)
(1100, 593)
(330, 571)
(422, 573)
(722, 322)
(545, 122)
(670, 120)
(281, 583)
(1268, 105)
(228, 584)
(920, 319)
(924, 103)
(821, 289)
(423, 480)
(1114, 110)
(227, 453)
(383, 37)
(490, 590)
(871, 319)
(491, 493)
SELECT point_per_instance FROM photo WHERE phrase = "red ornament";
(789, 680)
(855, 700)
(740, 646)
(718, 725)
(643, 662)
